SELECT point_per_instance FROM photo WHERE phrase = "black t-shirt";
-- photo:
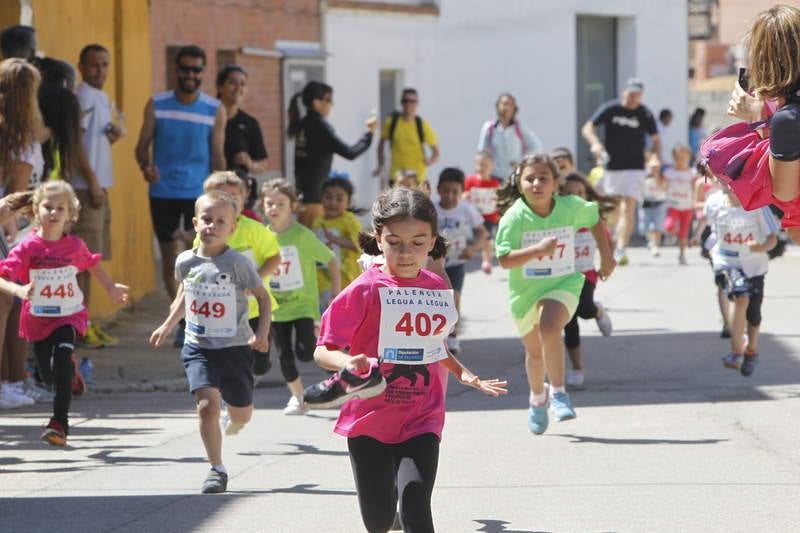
(243, 134)
(626, 131)
(784, 133)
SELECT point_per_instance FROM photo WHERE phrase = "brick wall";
(230, 25)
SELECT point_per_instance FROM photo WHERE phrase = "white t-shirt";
(652, 192)
(680, 188)
(32, 155)
(734, 227)
(95, 117)
(457, 225)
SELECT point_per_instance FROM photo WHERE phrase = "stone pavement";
(666, 439)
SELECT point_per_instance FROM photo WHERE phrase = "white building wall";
(461, 60)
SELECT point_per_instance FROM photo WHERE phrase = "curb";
(164, 385)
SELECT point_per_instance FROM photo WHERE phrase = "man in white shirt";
(99, 133)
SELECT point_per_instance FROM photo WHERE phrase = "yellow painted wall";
(63, 27)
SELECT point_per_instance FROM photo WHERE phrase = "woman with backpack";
(315, 142)
(773, 83)
(505, 139)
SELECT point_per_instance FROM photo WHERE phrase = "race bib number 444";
(414, 324)
(561, 263)
(211, 309)
(55, 292)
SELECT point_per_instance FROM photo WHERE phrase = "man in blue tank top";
(186, 128)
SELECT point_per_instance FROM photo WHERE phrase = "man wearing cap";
(627, 123)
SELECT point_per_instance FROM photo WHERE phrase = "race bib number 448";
(414, 324)
(561, 263)
(55, 292)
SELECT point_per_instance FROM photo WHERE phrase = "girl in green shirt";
(294, 285)
(536, 243)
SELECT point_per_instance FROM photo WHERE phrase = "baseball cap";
(634, 85)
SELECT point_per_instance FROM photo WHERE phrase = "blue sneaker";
(562, 406)
(749, 364)
(538, 419)
(732, 360)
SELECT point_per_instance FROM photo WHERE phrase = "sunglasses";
(408, 101)
(187, 68)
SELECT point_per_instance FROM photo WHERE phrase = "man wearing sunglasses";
(186, 129)
(408, 135)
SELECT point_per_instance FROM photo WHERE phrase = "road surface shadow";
(299, 449)
(584, 439)
(659, 367)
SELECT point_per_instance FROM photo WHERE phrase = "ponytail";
(294, 116)
(439, 248)
(21, 203)
(369, 243)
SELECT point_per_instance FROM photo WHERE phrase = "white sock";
(538, 400)
(555, 389)
(220, 469)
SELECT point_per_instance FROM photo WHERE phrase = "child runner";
(480, 189)
(740, 263)
(338, 228)
(536, 242)
(41, 270)
(392, 321)
(294, 286)
(253, 240)
(218, 353)
(462, 225)
(564, 161)
(680, 192)
(585, 249)
(654, 207)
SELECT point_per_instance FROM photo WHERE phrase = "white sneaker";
(10, 400)
(575, 378)
(621, 257)
(20, 387)
(682, 260)
(47, 395)
(603, 320)
(295, 406)
(655, 251)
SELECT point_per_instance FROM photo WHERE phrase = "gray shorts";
(230, 370)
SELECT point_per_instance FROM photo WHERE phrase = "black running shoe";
(344, 385)
(215, 483)
(749, 364)
(725, 333)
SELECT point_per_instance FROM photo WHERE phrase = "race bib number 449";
(55, 292)
(211, 309)
(414, 324)
(561, 263)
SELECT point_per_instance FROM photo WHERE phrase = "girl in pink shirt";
(396, 317)
(41, 270)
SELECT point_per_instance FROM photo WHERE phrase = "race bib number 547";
(414, 324)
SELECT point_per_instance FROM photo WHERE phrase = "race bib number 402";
(415, 323)
(211, 309)
(561, 263)
(55, 292)
(289, 274)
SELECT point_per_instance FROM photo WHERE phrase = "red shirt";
(483, 195)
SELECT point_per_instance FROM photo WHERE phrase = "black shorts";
(228, 369)
(735, 283)
(166, 216)
(456, 274)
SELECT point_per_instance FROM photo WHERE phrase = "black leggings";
(384, 472)
(303, 347)
(54, 357)
(261, 360)
(586, 310)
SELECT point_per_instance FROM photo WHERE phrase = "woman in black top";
(244, 144)
(315, 143)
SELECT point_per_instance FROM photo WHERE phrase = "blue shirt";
(182, 145)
